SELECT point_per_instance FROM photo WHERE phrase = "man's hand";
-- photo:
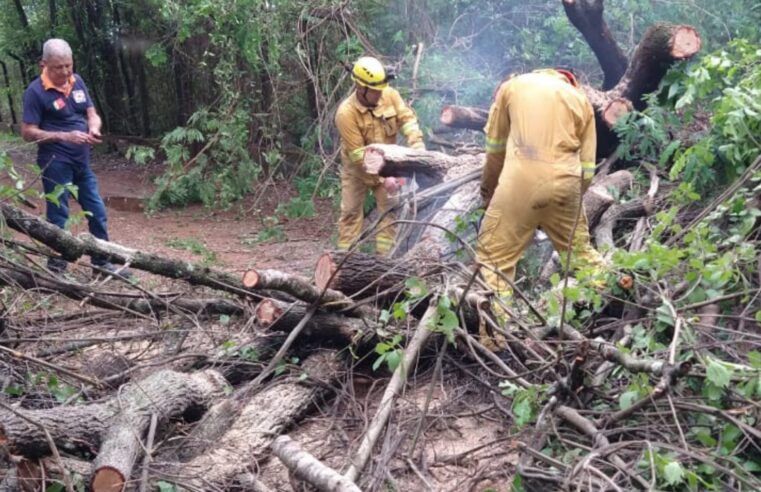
(95, 134)
(79, 138)
(391, 185)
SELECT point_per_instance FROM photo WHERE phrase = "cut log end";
(107, 479)
(250, 279)
(373, 161)
(324, 271)
(616, 109)
(685, 43)
(267, 313)
(447, 116)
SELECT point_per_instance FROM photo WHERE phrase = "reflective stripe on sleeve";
(588, 170)
(357, 154)
(495, 146)
(410, 127)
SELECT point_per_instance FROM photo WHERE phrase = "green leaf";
(627, 399)
(166, 486)
(54, 487)
(758, 316)
(393, 359)
(378, 362)
(522, 411)
(385, 316)
(718, 374)
(416, 288)
(704, 436)
(673, 473)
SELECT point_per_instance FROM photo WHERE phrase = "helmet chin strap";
(364, 96)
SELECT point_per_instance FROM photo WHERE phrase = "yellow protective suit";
(359, 126)
(540, 142)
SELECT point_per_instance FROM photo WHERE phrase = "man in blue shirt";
(60, 117)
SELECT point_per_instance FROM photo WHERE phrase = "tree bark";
(587, 17)
(263, 418)
(428, 167)
(598, 197)
(9, 93)
(464, 117)
(279, 316)
(129, 304)
(165, 393)
(84, 427)
(360, 275)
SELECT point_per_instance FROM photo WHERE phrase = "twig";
(148, 452)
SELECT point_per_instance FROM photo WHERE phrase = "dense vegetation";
(239, 90)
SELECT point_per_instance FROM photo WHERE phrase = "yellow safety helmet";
(369, 72)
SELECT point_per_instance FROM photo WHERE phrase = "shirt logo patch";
(79, 96)
(59, 104)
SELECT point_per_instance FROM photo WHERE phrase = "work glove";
(418, 146)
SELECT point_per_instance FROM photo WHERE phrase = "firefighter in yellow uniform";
(540, 151)
(373, 113)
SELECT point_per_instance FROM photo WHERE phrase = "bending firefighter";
(540, 151)
(373, 113)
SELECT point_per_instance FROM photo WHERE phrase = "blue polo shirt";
(52, 111)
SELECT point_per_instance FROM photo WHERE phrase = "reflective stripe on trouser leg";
(353, 192)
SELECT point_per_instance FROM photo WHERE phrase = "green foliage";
(390, 352)
(140, 154)
(271, 231)
(194, 246)
(721, 92)
(525, 404)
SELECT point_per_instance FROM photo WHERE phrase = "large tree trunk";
(586, 16)
(360, 275)
(83, 427)
(165, 394)
(9, 93)
(261, 420)
(464, 117)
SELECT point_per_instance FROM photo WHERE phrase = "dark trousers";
(80, 175)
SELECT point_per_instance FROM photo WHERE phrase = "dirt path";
(225, 239)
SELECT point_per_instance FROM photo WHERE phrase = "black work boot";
(57, 265)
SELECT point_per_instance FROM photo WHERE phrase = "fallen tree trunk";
(302, 289)
(166, 393)
(360, 275)
(72, 248)
(598, 198)
(272, 314)
(427, 166)
(83, 427)
(261, 420)
(128, 303)
(464, 117)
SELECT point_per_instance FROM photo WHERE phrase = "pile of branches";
(206, 418)
(199, 387)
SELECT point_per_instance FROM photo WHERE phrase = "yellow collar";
(48, 84)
